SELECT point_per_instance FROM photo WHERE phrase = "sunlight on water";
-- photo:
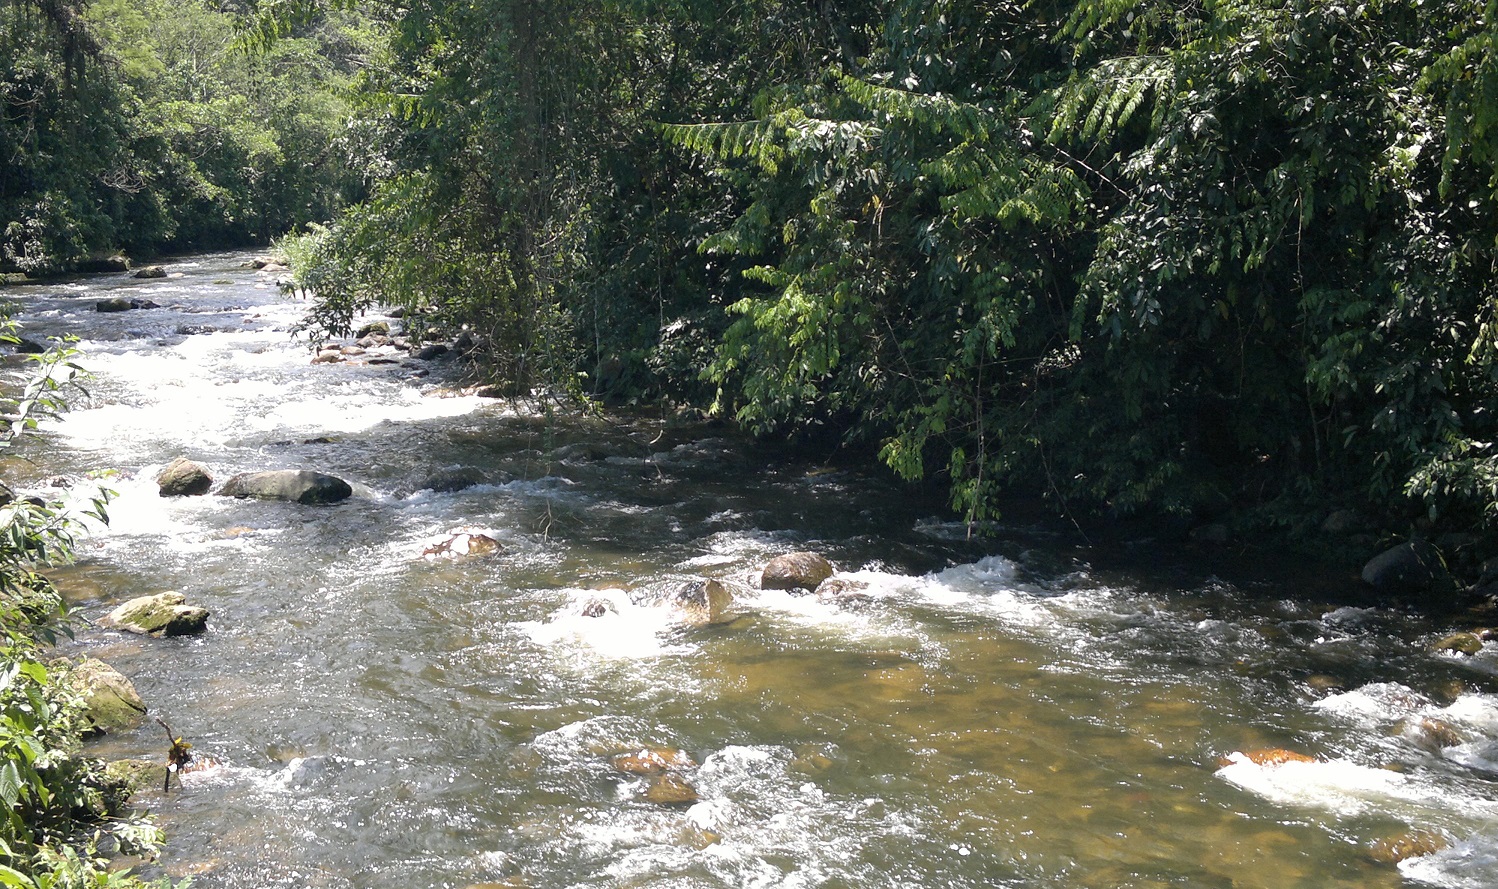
(394, 704)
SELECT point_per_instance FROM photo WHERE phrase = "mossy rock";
(1461, 643)
(131, 776)
(111, 700)
(166, 614)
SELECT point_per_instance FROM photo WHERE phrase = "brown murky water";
(992, 713)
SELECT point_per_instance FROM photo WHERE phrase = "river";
(999, 712)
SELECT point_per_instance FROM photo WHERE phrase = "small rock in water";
(1272, 756)
(670, 790)
(381, 328)
(1433, 734)
(1407, 845)
(450, 481)
(844, 592)
(704, 602)
(113, 304)
(183, 478)
(464, 543)
(652, 761)
(166, 614)
(1459, 643)
(795, 571)
(431, 351)
(150, 271)
(328, 356)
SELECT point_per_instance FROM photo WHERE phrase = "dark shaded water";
(995, 713)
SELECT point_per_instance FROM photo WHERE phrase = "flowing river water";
(990, 713)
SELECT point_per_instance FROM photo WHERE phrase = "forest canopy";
(1232, 257)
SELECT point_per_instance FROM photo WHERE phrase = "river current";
(998, 712)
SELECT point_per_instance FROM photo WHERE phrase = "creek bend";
(997, 713)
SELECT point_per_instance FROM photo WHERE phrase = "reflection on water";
(981, 713)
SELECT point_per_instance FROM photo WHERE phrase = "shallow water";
(998, 712)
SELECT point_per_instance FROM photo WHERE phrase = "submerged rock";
(1270, 756)
(110, 700)
(670, 790)
(293, 485)
(652, 761)
(1410, 844)
(448, 481)
(795, 571)
(704, 602)
(184, 478)
(844, 592)
(1459, 643)
(166, 614)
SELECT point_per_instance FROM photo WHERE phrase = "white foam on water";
(1337, 786)
(1470, 864)
(622, 630)
(1381, 702)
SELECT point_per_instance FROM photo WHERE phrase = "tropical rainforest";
(1200, 257)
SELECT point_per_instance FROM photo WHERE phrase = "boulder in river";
(448, 481)
(110, 701)
(293, 485)
(150, 271)
(1410, 844)
(184, 478)
(432, 350)
(704, 602)
(1407, 568)
(795, 571)
(165, 614)
(374, 327)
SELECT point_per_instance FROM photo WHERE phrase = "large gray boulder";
(1407, 568)
(795, 571)
(294, 485)
(183, 478)
(166, 614)
(111, 702)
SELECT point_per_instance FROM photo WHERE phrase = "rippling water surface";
(998, 713)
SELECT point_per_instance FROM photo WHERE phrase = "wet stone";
(652, 761)
(1459, 643)
(166, 614)
(670, 790)
(795, 571)
(1410, 844)
(183, 478)
(110, 700)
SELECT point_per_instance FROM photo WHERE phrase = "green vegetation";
(63, 816)
(1221, 259)
(140, 126)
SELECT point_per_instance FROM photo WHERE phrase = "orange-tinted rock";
(1410, 844)
(1270, 756)
(652, 761)
(670, 790)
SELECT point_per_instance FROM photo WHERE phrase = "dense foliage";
(1199, 258)
(141, 126)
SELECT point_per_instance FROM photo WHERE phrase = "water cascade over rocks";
(458, 642)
